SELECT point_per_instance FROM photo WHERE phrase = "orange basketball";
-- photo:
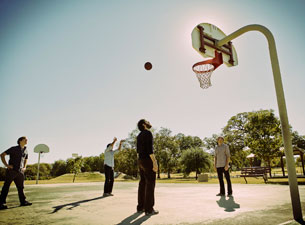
(148, 66)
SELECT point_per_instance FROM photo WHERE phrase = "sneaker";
(26, 203)
(2, 206)
(153, 212)
(219, 194)
(230, 195)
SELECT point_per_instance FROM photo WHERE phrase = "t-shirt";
(109, 156)
(222, 152)
(17, 157)
(145, 144)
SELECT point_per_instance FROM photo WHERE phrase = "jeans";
(108, 179)
(220, 171)
(18, 178)
(146, 190)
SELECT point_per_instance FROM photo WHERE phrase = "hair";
(141, 124)
(220, 137)
(20, 140)
(108, 145)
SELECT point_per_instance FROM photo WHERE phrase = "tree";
(235, 133)
(126, 161)
(195, 159)
(263, 135)
(166, 151)
(74, 166)
(58, 168)
(187, 142)
(298, 140)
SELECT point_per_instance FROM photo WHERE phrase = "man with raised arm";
(148, 168)
(109, 167)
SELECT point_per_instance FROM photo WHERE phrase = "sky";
(72, 72)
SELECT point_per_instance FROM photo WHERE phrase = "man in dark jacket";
(15, 171)
(148, 168)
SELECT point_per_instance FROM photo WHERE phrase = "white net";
(203, 73)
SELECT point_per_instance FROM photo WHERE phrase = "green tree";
(74, 166)
(195, 159)
(235, 133)
(263, 135)
(58, 168)
(166, 151)
(126, 162)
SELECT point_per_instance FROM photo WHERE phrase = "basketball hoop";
(204, 70)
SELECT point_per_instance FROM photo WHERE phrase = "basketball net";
(204, 70)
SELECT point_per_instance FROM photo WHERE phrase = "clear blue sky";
(72, 76)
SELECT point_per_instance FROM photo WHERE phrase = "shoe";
(219, 194)
(153, 212)
(140, 211)
(109, 194)
(2, 206)
(26, 203)
(230, 195)
(105, 194)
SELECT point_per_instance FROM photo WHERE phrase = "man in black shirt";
(15, 171)
(148, 168)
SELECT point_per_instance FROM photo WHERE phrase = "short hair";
(108, 145)
(221, 138)
(20, 140)
(141, 124)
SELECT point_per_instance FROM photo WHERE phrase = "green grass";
(175, 178)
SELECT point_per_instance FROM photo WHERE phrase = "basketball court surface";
(178, 204)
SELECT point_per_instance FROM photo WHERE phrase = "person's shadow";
(229, 204)
(131, 219)
(74, 204)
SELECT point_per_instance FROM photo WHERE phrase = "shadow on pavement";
(131, 219)
(74, 204)
(230, 205)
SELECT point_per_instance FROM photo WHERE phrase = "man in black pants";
(15, 171)
(221, 164)
(109, 166)
(148, 168)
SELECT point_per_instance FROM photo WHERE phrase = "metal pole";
(37, 177)
(292, 178)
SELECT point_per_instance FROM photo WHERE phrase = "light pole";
(293, 184)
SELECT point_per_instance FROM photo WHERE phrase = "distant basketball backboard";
(41, 148)
(204, 38)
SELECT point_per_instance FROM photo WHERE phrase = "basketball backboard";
(204, 38)
(41, 148)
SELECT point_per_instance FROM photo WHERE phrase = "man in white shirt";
(108, 166)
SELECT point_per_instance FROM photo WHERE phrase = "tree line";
(257, 132)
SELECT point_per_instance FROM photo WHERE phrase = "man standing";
(221, 164)
(148, 168)
(108, 166)
(15, 171)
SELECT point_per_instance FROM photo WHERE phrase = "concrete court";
(177, 203)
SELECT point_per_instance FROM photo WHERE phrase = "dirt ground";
(82, 203)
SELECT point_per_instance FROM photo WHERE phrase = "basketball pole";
(292, 178)
(37, 177)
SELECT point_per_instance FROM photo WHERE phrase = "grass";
(175, 178)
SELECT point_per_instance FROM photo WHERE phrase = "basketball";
(148, 66)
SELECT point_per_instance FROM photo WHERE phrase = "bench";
(255, 172)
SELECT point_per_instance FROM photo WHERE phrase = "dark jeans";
(108, 179)
(18, 178)
(146, 191)
(220, 172)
